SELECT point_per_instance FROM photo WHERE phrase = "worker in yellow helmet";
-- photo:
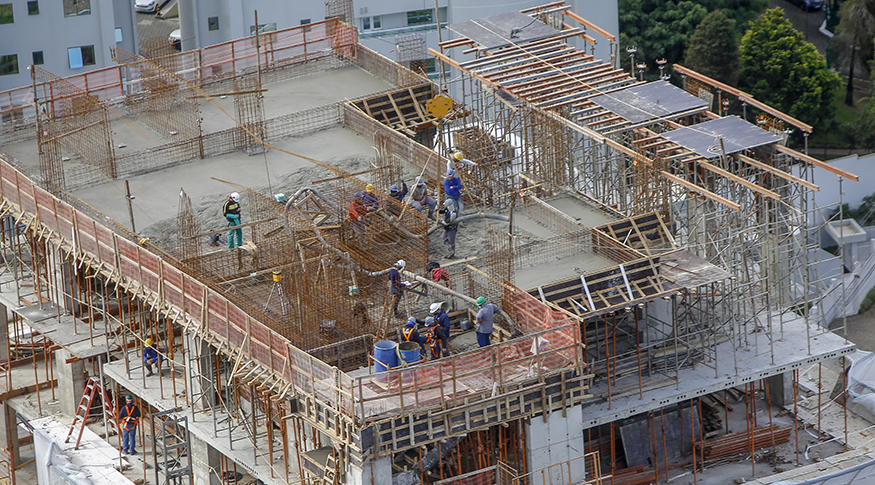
(370, 198)
(151, 356)
(458, 161)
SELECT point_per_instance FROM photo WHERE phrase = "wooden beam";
(744, 97)
(699, 190)
(604, 33)
(742, 181)
(817, 163)
(776, 171)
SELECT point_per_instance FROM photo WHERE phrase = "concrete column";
(205, 462)
(781, 389)
(556, 441)
(377, 470)
(9, 431)
(71, 381)
(4, 333)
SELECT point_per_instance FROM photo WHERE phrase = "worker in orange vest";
(129, 416)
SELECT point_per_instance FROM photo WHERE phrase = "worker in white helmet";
(396, 286)
(458, 161)
(231, 209)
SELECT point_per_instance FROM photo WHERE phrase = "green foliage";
(781, 69)
(868, 301)
(864, 129)
(713, 50)
(864, 214)
(856, 28)
(661, 28)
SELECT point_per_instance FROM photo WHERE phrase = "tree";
(661, 28)
(856, 31)
(713, 50)
(781, 69)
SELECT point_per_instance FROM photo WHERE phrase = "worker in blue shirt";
(151, 357)
(397, 195)
(442, 319)
(453, 189)
(231, 210)
(396, 286)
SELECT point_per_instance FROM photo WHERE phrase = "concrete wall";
(558, 440)
(52, 33)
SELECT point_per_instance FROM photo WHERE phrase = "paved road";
(149, 27)
(806, 22)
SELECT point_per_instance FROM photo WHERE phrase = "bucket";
(384, 355)
(409, 353)
(465, 325)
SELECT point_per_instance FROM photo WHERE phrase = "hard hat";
(458, 156)
(411, 322)
(129, 398)
(481, 301)
(279, 198)
(357, 195)
(434, 307)
(420, 181)
(149, 342)
(235, 196)
(429, 321)
(393, 188)
(451, 173)
(401, 264)
(448, 202)
(369, 187)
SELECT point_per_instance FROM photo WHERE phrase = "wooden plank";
(817, 163)
(699, 190)
(604, 33)
(744, 97)
(776, 171)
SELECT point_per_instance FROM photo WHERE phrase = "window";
(9, 64)
(305, 21)
(118, 35)
(38, 58)
(372, 23)
(33, 7)
(262, 28)
(6, 13)
(213, 23)
(81, 56)
(72, 8)
(419, 17)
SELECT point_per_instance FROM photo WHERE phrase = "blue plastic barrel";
(385, 355)
(409, 352)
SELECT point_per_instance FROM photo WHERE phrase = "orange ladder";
(93, 389)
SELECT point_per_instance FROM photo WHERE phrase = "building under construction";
(654, 258)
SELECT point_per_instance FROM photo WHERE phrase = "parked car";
(148, 6)
(808, 5)
(175, 39)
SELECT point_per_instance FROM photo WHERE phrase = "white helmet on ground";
(401, 264)
(235, 196)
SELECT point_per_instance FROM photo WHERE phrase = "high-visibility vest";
(131, 423)
(407, 333)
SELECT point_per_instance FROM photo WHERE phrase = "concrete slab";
(201, 425)
(734, 367)
(95, 457)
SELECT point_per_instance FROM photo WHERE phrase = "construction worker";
(151, 356)
(419, 197)
(458, 161)
(438, 274)
(128, 416)
(397, 195)
(436, 339)
(370, 198)
(231, 209)
(411, 334)
(442, 319)
(396, 286)
(453, 189)
(483, 321)
(450, 227)
(358, 214)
